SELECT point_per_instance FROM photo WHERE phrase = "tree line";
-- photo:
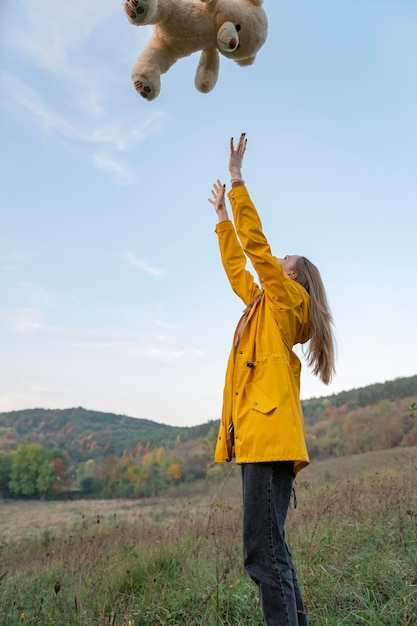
(36, 471)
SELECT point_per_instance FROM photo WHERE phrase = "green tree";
(5, 473)
(45, 478)
(31, 471)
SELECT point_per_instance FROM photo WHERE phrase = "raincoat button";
(250, 364)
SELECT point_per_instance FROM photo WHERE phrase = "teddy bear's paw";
(144, 87)
(136, 10)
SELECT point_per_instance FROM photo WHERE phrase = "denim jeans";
(267, 489)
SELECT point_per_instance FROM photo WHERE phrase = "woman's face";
(288, 264)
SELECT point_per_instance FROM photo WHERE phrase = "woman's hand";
(218, 201)
(236, 157)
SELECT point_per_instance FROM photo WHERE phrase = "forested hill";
(400, 388)
(88, 434)
(371, 417)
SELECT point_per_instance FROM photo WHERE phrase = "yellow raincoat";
(262, 418)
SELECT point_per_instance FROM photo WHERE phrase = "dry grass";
(177, 560)
(321, 473)
(25, 518)
(22, 519)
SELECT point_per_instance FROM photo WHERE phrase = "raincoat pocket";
(258, 400)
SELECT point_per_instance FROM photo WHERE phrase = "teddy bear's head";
(242, 28)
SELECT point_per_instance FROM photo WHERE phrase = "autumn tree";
(174, 473)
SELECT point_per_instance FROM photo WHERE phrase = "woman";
(262, 423)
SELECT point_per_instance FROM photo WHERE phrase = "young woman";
(262, 423)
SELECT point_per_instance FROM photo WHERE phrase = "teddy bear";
(237, 29)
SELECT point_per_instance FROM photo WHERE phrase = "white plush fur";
(237, 29)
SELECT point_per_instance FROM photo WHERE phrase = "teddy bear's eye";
(237, 27)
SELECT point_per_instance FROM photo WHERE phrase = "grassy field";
(177, 560)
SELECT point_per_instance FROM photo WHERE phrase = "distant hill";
(315, 409)
(369, 418)
(376, 417)
(88, 434)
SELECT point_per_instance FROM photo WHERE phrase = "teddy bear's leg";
(156, 59)
(146, 78)
(140, 11)
(207, 70)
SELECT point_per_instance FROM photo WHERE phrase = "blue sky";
(113, 296)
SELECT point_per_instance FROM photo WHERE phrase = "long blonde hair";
(320, 351)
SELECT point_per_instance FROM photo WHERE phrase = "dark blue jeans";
(267, 489)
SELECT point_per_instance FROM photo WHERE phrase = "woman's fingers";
(242, 143)
(217, 192)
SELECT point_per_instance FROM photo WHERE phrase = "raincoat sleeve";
(277, 286)
(234, 263)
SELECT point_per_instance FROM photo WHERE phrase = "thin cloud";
(122, 134)
(35, 295)
(106, 163)
(30, 320)
(117, 135)
(150, 353)
(163, 324)
(144, 265)
(14, 259)
(56, 41)
(145, 346)
(28, 99)
(56, 38)
(168, 356)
